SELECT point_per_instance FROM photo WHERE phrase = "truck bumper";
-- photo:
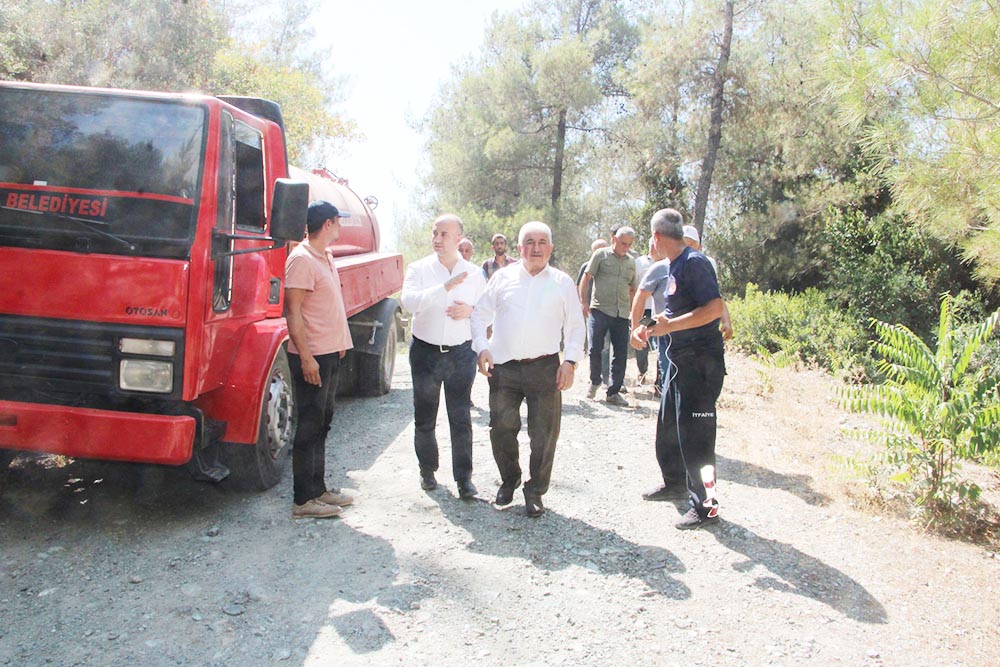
(99, 434)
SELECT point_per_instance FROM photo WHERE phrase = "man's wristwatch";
(571, 363)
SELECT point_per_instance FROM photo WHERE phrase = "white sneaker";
(617, 399)
(592, 391)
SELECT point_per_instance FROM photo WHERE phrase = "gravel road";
(119, 565)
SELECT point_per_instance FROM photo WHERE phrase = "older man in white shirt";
(533, 309)
(441, 291)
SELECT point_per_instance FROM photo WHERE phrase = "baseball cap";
(320, 211)
(691, 232)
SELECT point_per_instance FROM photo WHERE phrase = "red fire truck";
(143, 239)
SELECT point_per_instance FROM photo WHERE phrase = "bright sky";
(396, 54)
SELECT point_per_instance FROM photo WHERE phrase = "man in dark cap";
(317, 327)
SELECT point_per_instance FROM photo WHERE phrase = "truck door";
(240, 283)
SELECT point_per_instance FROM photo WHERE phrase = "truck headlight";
(146, 375)
(147, 346)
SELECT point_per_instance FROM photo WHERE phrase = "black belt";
(534, 359)
(444, 348)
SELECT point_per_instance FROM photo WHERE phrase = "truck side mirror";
(288, 209)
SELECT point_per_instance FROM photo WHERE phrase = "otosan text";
(146, 311)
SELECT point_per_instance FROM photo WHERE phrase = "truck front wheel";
(375, 370)
(260, 466)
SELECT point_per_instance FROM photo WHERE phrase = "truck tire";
(260, 466)
(375, 370)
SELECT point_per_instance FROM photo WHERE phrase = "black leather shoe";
(505, 494)
(466, 489)
(533, 505)
(427, 481)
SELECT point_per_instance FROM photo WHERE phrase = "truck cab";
(143, 238)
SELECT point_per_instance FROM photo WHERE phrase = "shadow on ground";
(799, 573)
(508, 533)
(750, 474)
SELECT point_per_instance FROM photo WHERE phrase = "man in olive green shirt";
(612, 271)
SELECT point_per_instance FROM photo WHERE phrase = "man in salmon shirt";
(317, 326)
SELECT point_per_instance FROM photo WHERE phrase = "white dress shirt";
(531, 315)
(424, 295)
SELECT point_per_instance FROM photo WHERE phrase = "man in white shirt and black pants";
(441, 291)
(533, 308)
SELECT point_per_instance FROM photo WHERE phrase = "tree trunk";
(715, 130)
(557, 169)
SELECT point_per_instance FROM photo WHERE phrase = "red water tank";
(358, 233)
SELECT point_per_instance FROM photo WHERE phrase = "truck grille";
(57, 359)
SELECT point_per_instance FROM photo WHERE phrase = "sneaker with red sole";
(695, 520)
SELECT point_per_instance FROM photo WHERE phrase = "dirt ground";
(111, 564)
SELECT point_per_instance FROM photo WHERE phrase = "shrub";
(804, 325)
(934, 407)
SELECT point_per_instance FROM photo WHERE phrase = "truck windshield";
(99, 173)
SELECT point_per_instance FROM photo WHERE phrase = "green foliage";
(179, 46)
(245, 70)
(16, 44)
(921, 81)
(784, 159)
(151, 44)
(883, 269)
(806, 326)
(516, 128)
(935, 409)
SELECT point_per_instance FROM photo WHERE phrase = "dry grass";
(790, 417)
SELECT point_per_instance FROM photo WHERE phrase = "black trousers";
(314, 406)
(687, 420)
(668, 453)
(512, 384)
(430, 368)
(642, 356)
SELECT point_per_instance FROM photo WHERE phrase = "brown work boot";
(314, 509)
(336, 497)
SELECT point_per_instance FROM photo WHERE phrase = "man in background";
(642, 265)
(693, 240)
(588, 341)
(500, 258)
(466, 250)
(612, 271)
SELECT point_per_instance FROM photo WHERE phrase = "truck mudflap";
(99, 434)
(370, 364)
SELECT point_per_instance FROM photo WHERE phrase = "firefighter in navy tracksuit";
(693, 363)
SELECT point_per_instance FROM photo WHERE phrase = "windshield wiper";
(89, 225)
